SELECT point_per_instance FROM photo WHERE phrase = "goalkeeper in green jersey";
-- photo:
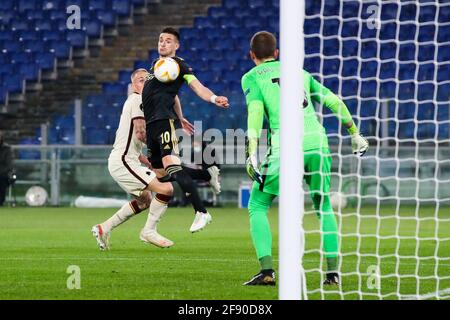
(262, 92)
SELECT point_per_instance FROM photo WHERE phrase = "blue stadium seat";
(217, 12)
(330, 27)
(145, 64)
(256, 4)
(331, 66)
(425, 91)
(77, 38)
(125, 76)
(407, 52)
(331, 8)
(230, 22)
(40, 25)
(406, 90)
(52, 4)
(6, 16)
(25, 5)
(443, 72)
(34, 46)
(30, 72)
(64, 122)
(7, 35)
(444, 53)
(50, 35)
(6, 68)
(29, 154)
(368, 69)
(98, 5)
(426, 52)
(428, 13)
(331, 47)
(407, 32)
(25, 35)
(388, 70)
(3, 93)
(14, 83)
(443, 33)
(45, 60)
(22, 57)
(408, 12)
(7, 5)
(107, 17)
(93, 28)
(62, 50)
(122, 7)
(426, 72)
(444, 14)
(96, 136)
(114, 88)
(443, 92)
(232, 4)
(11, 46)
(17, 24)
(205, 22)
(57, 15)
(406, 71)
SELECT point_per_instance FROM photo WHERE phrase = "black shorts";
(162, 141)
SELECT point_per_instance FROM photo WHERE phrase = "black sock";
(197, 174)
(188, 186)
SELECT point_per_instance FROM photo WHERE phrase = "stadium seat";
(107, 17)
(330, 27)
(45, 60)
(205, 22)
(40, 25)
(19, 24)
(25, 5)
(3, 94)
(7, 5)
(77, 38)
(14, 83)
(407, 32)
(11, 46)
(425, 91)
(30, 72)
(122, 7)
(331, 8)
(62, 50)
(93, 28)
(34, 46)
(114, 88)
(232, 4)
(96, 136)
(98, 5)
(217, 12)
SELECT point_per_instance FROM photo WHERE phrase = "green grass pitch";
(37, 245)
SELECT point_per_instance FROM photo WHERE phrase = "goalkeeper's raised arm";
(323, 95)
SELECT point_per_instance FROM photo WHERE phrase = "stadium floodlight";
(291, 156)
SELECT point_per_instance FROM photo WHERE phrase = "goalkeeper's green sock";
(329, 228)
(258, 208)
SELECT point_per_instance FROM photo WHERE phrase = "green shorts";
(317, 172)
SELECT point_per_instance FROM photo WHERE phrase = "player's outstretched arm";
(323, 95)
(207, 95)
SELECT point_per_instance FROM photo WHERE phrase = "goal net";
(390, 63)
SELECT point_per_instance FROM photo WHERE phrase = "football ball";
(166, 70)
(338, 200)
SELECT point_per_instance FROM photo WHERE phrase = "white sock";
(157, 210)
(122, 215)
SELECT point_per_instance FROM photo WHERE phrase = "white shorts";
(131, 176)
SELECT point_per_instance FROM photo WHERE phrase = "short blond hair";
(135, 72)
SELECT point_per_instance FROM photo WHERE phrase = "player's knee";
(167, 189)
(144, 199)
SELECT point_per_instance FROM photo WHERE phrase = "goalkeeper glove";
(251, 163)
(359, 144)
(252, 169)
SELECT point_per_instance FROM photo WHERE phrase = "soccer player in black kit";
(161, 107)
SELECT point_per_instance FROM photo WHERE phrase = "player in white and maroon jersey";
(125, 166)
